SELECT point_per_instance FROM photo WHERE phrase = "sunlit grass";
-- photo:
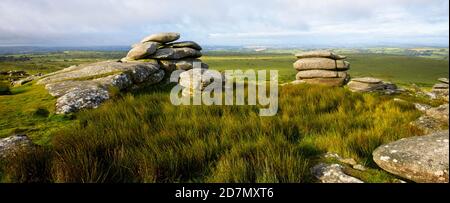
(142, 137)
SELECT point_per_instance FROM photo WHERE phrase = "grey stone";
(164, 37)
(10, 145)
(422, 107)
(81, 98)
(332, 82)
(321, 64)
(189, 44)
(94, 70)
(439, 113)
(421, 159)
(368, 80)
(87, 86)
(320, 74)
(369, 84)
(332, 173)
(176, 53)
(440, 86)
(319, 54)
(427, 124)
(182, 64)
(443, 80)
(142, 50)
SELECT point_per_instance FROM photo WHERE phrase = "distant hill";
(5, 50)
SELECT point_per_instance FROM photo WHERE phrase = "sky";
(303, 23)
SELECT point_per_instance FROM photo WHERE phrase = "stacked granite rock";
(321, 67)
(441, 89)
(169, 54)
(369, 84)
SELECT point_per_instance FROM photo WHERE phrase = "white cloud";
(232, 22)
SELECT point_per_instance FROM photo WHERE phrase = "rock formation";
(434, 119)
(170, 55)
(321, 67)
(11, 144)
(421, 159)
(89, 85)
(369, 84)
(441, 89)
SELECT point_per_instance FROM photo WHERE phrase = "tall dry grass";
(142, 137)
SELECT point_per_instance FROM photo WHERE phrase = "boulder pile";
(163, 49)
(321, 67)
(369, 84)
(88, 85)
(441, 89)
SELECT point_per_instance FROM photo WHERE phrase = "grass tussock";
(142, 137)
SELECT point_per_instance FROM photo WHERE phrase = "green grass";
(30, 110)
(142, 137)
(403, 70)
(50, 62)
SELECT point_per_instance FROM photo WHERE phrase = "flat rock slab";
(87, 86)
(182, 64)
(440, 86)
(164, 37)
(321, 64)
(422, 159)
(320, 74)
(319, 54)
(176, 53)
(97, 70)
(141, 50)
(369, 80)
(332, 173)
(332, 82)
(357, 86)
(443, 80)
(189, 44)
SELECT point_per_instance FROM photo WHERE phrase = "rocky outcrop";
(170, 55)
(87, 86)
(434, 119)
(441, 90)
(10, 145)
(421, 159)
(321, 67)
(369, 84)
(332, 173)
